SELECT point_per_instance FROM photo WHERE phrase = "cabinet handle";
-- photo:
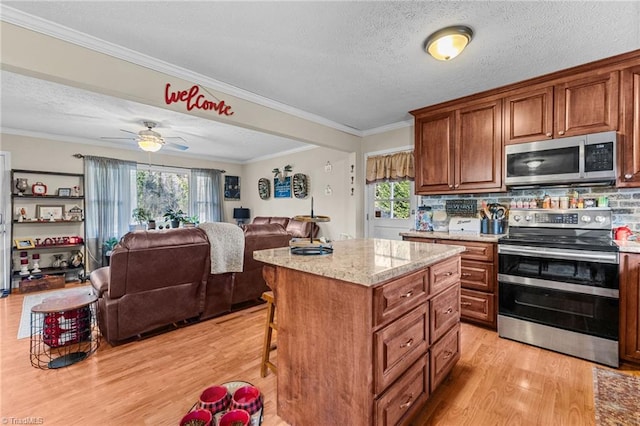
(549, 135)
(628, 176)
(466, 274)
(447, 354)
(407, 403)
(465, 303)
(407, 344)
(561, 132)
(448, 311)
(407, 294)
(456, 185)
(448, 274)
(451, 186)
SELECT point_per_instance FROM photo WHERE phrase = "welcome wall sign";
(194, 99)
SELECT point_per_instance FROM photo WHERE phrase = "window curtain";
(392, 167)
(110, 189)
(205, 195)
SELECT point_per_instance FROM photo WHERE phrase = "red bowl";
(234, 417)
(215, 399)
(247, 398)
(204, 416)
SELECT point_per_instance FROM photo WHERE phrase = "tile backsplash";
(624, 203)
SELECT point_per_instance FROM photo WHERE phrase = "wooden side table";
(63, 331)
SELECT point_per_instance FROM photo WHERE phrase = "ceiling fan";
(150, 140)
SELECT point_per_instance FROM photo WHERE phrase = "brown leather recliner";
(157, 278)
(249, 285)
(296, 228)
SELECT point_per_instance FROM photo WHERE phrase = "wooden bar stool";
(268, 332)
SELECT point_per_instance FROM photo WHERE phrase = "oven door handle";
(557, 285)
(600, 257)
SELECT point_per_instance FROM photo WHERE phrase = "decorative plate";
(300, 185)
(264, 188)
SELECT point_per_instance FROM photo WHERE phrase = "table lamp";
(241, 215)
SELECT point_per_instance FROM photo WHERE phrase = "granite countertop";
(362, 261)
(628, 246)
(487, 238)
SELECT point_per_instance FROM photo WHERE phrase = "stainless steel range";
(558, 282)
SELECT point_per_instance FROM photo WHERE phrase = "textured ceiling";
(357, 64)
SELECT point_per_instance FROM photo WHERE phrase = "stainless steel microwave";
(577, 160)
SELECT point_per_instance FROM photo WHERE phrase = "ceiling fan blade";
(129, 139)
(174, 137)
(176, 146)
(127, 131)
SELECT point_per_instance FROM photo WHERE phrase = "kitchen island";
(366, 333)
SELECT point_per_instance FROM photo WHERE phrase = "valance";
(392, 167)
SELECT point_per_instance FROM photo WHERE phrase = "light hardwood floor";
(156, 380)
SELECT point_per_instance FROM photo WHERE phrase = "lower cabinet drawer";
(399, 345)
(404, 397)
(478, 306)
(444, 354)
(477, 276)
(445, 312)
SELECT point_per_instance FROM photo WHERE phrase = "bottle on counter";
(546, 202)
(581, 203)
(533, 204)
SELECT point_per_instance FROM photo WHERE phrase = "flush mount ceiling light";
(447, 43)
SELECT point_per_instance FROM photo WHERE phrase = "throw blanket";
(227, 246)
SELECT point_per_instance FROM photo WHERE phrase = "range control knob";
(601, 219)
(586, 219)
(528, 218)
(517, 217)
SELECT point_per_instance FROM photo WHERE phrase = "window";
(162, 188)
(392, 200)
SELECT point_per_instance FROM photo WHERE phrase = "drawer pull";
(448, 274)
(407, 294)
(407, 344)
(448, 311)
(447, 354)
(465, 303)
(407, 403)
(466, 274)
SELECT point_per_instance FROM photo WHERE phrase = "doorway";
(390, 209)
(5, 222)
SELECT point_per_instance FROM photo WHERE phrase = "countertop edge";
(486, 238)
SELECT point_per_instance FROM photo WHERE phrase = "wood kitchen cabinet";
(478, 277)
(630, 307)
(568, 107)
(629, 146)
(459, 150)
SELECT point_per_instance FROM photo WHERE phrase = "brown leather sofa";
(157, 278)
(296, 228)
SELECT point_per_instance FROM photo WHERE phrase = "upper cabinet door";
(434, 153)
(528, 116)
(479, 147)
(587, 105)
(629, 148)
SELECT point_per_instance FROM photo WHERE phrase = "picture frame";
(24, 243)
(49, 212)
(64, 192)
(282, 188)
(232, 188)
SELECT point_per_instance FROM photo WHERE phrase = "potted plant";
(140, 215)
(191, 221)
(109, 245)
(174, 217)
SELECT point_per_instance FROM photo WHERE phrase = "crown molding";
(34, 23)
(387, 128)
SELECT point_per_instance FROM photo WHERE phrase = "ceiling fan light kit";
(447, 43)
(149, 144)
(150, 140)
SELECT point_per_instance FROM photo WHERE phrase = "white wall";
(47, 155)
(340, 206)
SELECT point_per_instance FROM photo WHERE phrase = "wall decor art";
(264, 188)
(49, 212)
(231, 188)
(300, 185)
(282, 188)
